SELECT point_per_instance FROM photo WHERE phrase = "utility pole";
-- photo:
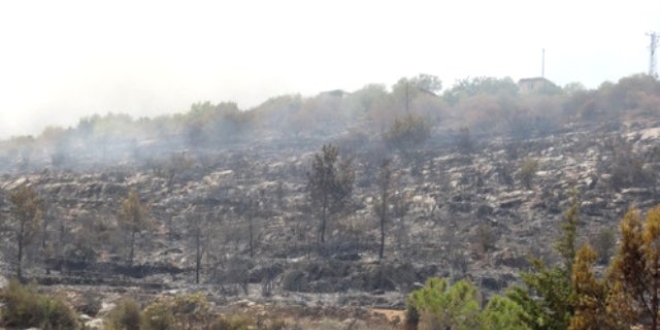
(653, 72)
(543, 63)
(407, 98)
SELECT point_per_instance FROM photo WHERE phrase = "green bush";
(407, 133)
(181, 312)
(458, 306)
(441, 305)
(158, 316)
(604, 243)
(485, 238)
(528, 172)
(24, 307)
(234, 322)
(58, 315)
(125, 316)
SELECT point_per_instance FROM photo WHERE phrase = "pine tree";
(444, 306)
(502, 313)
(589, 295)
(330, 185)
(546, 296)
(635, 273)
(27, 210)
(133, 218)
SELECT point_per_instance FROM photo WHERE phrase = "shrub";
(447, 306)
(604, 243)
(407, 133)
(24, 307)
(412, 317)
(464, 141)
(58, 315)
(485, 238)
(126, 316)
(233, 322)
(528, 172)
(158, 316)
(181, 312)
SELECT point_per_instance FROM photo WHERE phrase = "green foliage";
(410, 87)
(603, 243)
(233, 322)
(133, 219)
(407, 133)
(502, 313)
(635, 272)
(469, 87)
(412, 317)
(566, 243)
(125, 316)
(589, 295)
(180, 312)
(443, 306)
(546, 296)
(24, 307)
(485, 238)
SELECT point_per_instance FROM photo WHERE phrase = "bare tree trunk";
(382, 238)
(324, 214)
(19, 270)
(21, 242)
(198, 255)
(130, 256)
(655, 302)
(251, 229)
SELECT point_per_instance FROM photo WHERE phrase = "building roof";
(534, 79)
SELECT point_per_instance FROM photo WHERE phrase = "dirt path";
(391, 314)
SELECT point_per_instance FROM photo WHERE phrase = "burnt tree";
(330, 184)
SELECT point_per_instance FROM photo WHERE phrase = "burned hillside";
(480, 179)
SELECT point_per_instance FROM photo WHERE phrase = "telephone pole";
(543, 63)
(653, 71)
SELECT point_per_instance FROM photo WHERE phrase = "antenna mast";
(543, 63)
(653, 71)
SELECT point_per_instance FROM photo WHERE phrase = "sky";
(62, 60)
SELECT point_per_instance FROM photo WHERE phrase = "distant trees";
(177, 163)
(473, 86)
(407, 133)
(25, 222)
(330, 185)
(133, 218)
(407, 89)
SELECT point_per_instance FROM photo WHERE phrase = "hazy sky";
(60, 60)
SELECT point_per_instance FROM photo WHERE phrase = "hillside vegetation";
(343, 203)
